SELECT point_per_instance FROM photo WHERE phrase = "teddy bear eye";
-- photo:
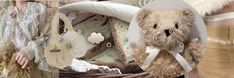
(155, 26)
(176, 26)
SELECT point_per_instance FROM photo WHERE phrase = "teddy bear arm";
(195, 48)
(139, 54)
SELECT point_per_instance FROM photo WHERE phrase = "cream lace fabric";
(22, 26)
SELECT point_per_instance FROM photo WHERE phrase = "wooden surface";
(218, 59)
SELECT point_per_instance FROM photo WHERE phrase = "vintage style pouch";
(58, 52)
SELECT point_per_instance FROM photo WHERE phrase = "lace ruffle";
(23, 27)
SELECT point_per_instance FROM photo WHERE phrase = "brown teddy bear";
(167, 29)
(7, 60)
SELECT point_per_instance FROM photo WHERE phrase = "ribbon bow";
(153, 52)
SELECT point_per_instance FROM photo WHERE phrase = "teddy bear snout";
(168, 32)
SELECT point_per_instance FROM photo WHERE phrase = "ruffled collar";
(17, 10)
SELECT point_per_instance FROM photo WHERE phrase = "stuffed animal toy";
(11, 68)
(167, 30)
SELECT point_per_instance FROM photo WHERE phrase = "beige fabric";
(22, 27)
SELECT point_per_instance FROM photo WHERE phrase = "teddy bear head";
(165, 28)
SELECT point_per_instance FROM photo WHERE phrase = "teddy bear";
(11, 68)
(167, 30)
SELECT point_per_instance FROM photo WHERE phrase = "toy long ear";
(142, 15)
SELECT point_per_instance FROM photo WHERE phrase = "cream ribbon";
(153, 52)
(182, 61)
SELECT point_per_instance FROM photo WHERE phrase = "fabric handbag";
(58, 52)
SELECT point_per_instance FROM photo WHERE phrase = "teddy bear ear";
(142, 15)
(187, 12)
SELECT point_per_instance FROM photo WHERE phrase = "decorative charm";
(108, 44)
(179, 48)
(144, 31)
(96, 38)
(41, 39)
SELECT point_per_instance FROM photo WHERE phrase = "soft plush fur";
(7, 60)
(165, 29)
(204, 7)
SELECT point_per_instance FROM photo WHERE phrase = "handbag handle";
(55, 22)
